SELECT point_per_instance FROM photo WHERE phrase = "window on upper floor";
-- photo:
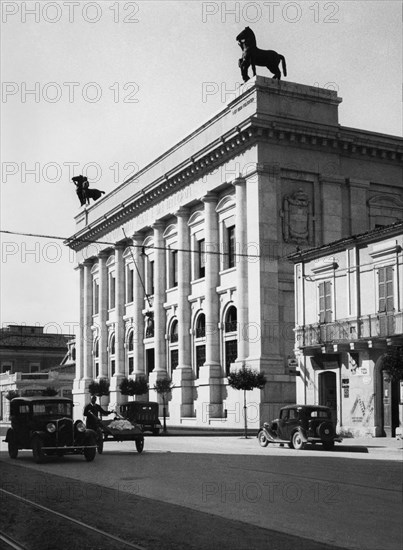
(325, 302)
(201, 258)
(129, 284)
(95, 302)
(386, 300)
(173, 269)
(112, 290)
(231, 246)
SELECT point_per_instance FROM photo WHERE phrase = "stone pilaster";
(241, 269)
(358, 205)
(103, 315)
(159, 311)
(87, 321)
(332, 208)
(78, 391)
(182, 394)
(115, 395)
(138, 303)
(209, 398)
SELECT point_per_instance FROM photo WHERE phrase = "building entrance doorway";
(328, 391)
(390, 406)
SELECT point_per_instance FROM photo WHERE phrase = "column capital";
(138, 236)
(103, 255)
(120, 246)
(87, 263)
(210, 197)
(158, 225)
(239, 181)
(182, 212)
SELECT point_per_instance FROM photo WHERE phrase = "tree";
(163, 388)
(246, 379)
(49, 392)
(99, 388)
(133, 387)
(11, 394)
(392, 364)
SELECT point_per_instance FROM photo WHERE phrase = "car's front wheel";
(37, 450)
(263, 441)
(297, 441)
(12, 446)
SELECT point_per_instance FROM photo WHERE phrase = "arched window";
(112, 351)
(199, 343)
(230, 344)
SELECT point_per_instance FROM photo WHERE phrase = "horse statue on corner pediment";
(84, 192)
(253, 56)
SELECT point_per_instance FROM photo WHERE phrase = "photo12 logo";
(71, 12)
(270, 12)
(55, 172)
(69, 92)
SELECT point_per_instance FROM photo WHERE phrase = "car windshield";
(318, 413)
(52, 409)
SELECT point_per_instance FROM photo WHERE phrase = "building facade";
(183, 268)
(32, 360)
(349, 317)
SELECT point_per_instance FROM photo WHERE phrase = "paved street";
(349, 498)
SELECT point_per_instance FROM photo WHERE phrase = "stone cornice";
(334, 139)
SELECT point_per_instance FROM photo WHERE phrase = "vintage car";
(300, 424)
(143, 413)
(45, 425)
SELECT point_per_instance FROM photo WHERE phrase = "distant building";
(183, 268)
(349, 315)
(32, 361)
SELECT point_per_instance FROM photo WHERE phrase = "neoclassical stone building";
(183, 268)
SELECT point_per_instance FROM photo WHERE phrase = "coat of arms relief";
(297, 217)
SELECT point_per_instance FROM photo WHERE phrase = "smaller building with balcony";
(349, 318)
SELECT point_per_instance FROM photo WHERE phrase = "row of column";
(183, 374)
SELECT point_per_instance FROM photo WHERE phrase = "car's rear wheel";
(37, 450)
(297, 441)
(89, 453)
(263, 441)
(12, 446)
(140, 444)
(328, 445)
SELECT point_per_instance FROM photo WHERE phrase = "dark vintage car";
(300, 424)
(144, 414)
(45, 425)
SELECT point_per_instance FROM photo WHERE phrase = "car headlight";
(51, 428)
(80, 427)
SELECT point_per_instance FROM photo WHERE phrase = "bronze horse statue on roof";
(253, 56)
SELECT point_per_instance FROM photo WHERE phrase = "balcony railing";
(382, 325)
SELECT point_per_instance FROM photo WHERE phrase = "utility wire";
(151, 247)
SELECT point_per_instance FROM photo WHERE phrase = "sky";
(103, 88)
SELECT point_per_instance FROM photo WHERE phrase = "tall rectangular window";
(231, 246)
(112, 290)
(325, 302)
(385, 289)
(95, 297)
(201, 246)
(174, 268)
(129, 284)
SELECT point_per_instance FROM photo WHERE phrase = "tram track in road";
(12, 543)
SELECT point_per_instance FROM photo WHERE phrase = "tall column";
(241, 268)
(138, 303)
(159, 311)
(182, 394)
(103, 315)
(87, 331)
(209, 399)
(78, 390)
(115, 395)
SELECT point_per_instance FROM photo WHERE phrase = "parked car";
(143, 413)
(300, 424)
(45, 425)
